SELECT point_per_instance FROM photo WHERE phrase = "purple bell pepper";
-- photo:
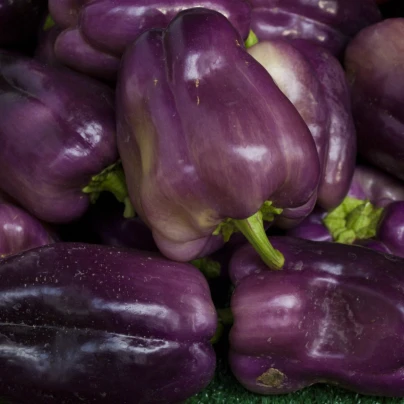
(371, 215)
(67, 137)
(332, 315)
(208, 142)
(328, 23)
(88, 323)
(97, 32)
(314, 81)
(106, 220)
(19, 231)
(374, 61)
(19, 20)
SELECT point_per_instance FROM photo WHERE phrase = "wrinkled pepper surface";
(374, 61)
(330, 23)
(97, 32)
(208, 141)
(372, 214)
(66, 137)
(87, 323)
(314, 81)
(332, 315)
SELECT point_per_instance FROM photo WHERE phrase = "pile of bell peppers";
(190, 183)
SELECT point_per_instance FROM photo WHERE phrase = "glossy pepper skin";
(374, 62)
(311, 323)
(102, 324)
(314, 81)
(19, 20)
(20, 231)
(372, 214)
(67, 136)
(205, 135)
(330, 24)
(97, 32)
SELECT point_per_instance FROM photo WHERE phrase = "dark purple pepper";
(333, 314)
(97, 32)
(374, 61)
(314, 81)
(20, 231)
(378, 187)
(329, 23)
(391, 228)
(88, 323)
(208, 142)
(312, 227)
(68, 136)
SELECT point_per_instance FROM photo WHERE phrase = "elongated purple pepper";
(20, 231)
(67, 136)
(208, 142)
(314, 81)
(88, 323)
(97, 32)
(332, 315)
(329, 23)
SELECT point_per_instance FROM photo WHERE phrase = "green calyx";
(209, 267)
(353, 219)
(253, 230)
(49, 23)
(251, 39)
(224, 317)
(112, 179)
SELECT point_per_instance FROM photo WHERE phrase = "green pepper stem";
(354, 219)
(253, 230)
(225, 316)
(251, 39)
(49, 23)
(209, 268)
(112, 179)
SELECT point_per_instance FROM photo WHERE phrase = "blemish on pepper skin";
(155, 81)
(271, 378)
(237, 43)
(197, 83)
(197, 100)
